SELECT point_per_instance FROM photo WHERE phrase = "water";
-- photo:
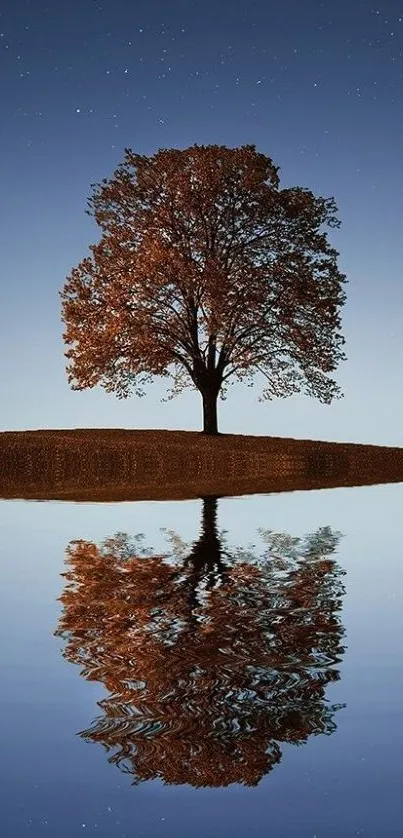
(227, 667)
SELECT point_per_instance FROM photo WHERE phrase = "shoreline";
(110, 464)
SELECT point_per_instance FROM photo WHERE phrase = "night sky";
(317, 86)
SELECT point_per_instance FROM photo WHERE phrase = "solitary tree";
(206, 270)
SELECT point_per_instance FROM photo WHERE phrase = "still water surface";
(203, 668)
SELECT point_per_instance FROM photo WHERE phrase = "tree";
(206, 270)
(212, 657)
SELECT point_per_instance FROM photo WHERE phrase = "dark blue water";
(213, 668)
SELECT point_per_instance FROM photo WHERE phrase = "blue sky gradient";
(317, 86)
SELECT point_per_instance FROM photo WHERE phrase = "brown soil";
(114, 464)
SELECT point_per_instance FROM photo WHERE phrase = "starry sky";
(317, 86)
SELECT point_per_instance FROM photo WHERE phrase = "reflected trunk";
(205, 556)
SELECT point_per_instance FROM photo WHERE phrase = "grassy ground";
(114, 464)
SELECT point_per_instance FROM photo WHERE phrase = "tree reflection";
(212, 656)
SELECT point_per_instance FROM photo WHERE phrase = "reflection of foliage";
(211, 658)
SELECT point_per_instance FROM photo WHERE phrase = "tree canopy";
(206, 272)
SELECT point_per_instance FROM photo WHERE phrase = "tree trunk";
(210, 424)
